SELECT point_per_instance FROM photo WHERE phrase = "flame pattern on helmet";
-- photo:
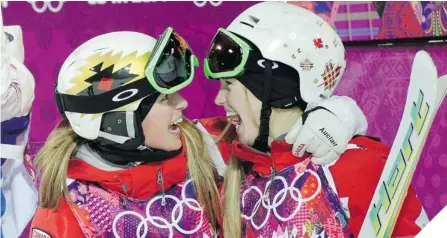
(136, 65)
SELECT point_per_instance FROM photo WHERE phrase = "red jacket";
(141, 182)
(363, 164)
(356, 174)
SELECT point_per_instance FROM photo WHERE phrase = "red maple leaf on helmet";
(318, 43)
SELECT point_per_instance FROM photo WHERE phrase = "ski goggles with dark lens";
(171, 64)
(227, 56)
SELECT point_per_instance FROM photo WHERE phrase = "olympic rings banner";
(376, 78)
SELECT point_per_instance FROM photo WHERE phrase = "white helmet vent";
(247, 24)
(254, 19)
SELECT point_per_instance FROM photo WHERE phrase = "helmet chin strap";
(128, 157)
(261, 142)
(128, 125)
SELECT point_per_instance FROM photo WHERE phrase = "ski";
(425, 94)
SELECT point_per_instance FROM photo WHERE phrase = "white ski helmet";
(112, 74)
(278, 39)
(294, 36)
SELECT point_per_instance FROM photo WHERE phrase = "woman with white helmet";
(274, 61)
(120, 163)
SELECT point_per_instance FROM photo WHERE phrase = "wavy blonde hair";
(52, 163)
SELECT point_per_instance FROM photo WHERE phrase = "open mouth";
(174, 128)
(234, 119)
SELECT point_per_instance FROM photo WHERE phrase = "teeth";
(178, 121)
(229, 114)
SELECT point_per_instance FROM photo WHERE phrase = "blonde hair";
(234, 174)
(52, 163)
(232, 223)
(202, 170)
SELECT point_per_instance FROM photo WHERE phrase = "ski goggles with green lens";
(227, 56)
(171, 64)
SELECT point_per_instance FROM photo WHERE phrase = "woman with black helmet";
(274, 61)
(124, 162)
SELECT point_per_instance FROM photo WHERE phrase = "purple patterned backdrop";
(376, 77)
(51, 36)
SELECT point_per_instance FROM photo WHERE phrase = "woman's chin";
(246, 136)
(168, 145)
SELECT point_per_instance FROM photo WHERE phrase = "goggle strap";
(103, 102)
(252, 62)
